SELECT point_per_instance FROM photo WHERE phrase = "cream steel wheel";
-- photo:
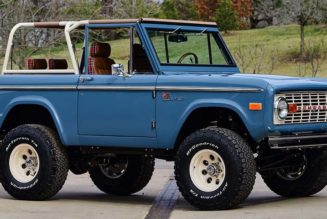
(24, 163)
(214, 169)
(207, 170)
(33, 162)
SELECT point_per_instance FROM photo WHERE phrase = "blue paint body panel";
(61, 103)
(131, 112)
(117, 112)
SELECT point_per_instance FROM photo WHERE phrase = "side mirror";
(118, 69)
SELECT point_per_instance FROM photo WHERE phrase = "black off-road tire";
(136, 176)
(239, 165)
(53, 162)
(312, 181)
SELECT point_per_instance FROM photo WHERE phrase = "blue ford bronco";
(109, 96)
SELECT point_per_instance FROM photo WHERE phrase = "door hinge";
(153, 124)
(154, 94)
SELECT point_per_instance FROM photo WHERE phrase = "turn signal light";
(255, 106)
(292, 108)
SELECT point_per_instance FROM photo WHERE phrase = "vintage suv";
(129, 91)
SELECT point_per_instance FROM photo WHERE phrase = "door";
(114, 105)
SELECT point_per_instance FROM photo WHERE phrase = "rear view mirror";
(177, 38)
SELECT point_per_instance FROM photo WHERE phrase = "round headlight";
(282, 108)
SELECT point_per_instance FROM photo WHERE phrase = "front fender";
(246, 115)
(253, 120)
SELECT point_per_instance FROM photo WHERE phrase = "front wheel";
(123, 175)
(305, 177)
(215, 169)
(33, 163)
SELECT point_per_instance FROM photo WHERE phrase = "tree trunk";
(302, 41)
(107, 8)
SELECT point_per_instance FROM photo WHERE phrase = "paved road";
(81, 199)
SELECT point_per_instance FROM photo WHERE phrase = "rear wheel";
(33, 163)
(214, 169)
(306, 178)
(123, 175)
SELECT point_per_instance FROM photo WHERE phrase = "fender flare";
(39, 101)
(214, 103)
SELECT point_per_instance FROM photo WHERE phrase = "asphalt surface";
(79, 198)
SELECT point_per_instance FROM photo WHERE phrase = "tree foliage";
(244, 10)
(178, 9)
(135, 8)
(305, 12)
(226, 17)
(206, 9)
(267, 11)
(16, 11)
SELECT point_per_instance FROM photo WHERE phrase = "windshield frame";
(232, 67)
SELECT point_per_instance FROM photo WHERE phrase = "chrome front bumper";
(297, 141)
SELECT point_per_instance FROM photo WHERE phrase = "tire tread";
(247, 177)
(58, 170)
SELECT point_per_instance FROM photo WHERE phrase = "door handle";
(86, 78)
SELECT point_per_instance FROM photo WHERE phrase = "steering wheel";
(196, 60)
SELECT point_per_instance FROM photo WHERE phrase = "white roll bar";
(69, 26)
(10, 43)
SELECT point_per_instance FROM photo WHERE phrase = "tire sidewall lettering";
(9, 148)
(196, 146)
(193, 189)
(35, 181)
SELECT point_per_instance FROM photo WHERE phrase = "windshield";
(180, 47)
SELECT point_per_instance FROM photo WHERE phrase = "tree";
(226, 17)
(244, 9)
(16, 11)
(206, 9)
(266, 11)
(107, 7)
(178, 9)
(168, 9)
(136, 8)
(304, 12)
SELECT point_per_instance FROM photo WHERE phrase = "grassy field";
(270, 50)
(277, 45)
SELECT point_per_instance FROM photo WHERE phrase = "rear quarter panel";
(56, 93)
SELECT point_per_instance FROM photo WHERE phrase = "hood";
(281, 83)
(274, 82)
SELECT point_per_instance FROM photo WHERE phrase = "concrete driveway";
(81, 199)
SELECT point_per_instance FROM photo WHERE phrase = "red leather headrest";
(58, 64)
(36, 64)
(100, 50)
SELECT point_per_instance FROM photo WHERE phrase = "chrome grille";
(305, 99)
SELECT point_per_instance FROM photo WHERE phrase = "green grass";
(259, 47)
(197, 44)
(278, 43)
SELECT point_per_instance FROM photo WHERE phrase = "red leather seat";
(99, 61)
(58, 64)
(36, 64)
